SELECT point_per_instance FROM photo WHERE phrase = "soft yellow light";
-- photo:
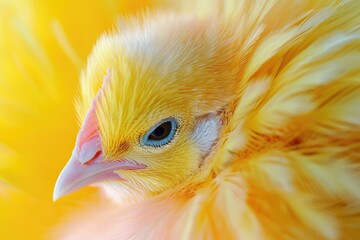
(43, 46)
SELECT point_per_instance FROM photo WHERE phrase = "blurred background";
(43, 47)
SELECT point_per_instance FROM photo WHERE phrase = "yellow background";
(43, 46)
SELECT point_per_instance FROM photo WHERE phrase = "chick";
(236, 123)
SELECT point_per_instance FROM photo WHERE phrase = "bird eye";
(161, 133)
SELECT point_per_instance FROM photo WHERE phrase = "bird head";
(151, 107)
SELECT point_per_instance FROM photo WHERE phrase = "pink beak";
(86, 165)
(76, 175)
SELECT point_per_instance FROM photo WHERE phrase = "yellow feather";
(284, 77)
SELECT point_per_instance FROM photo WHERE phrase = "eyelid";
(162, 142)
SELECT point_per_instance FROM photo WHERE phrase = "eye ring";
(161, 133)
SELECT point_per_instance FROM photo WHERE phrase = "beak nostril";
(93, 159)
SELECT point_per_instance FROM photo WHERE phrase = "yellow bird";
(232, 120)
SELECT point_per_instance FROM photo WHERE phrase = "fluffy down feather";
(286, 162)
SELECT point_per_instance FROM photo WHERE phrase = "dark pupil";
(161, 131)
